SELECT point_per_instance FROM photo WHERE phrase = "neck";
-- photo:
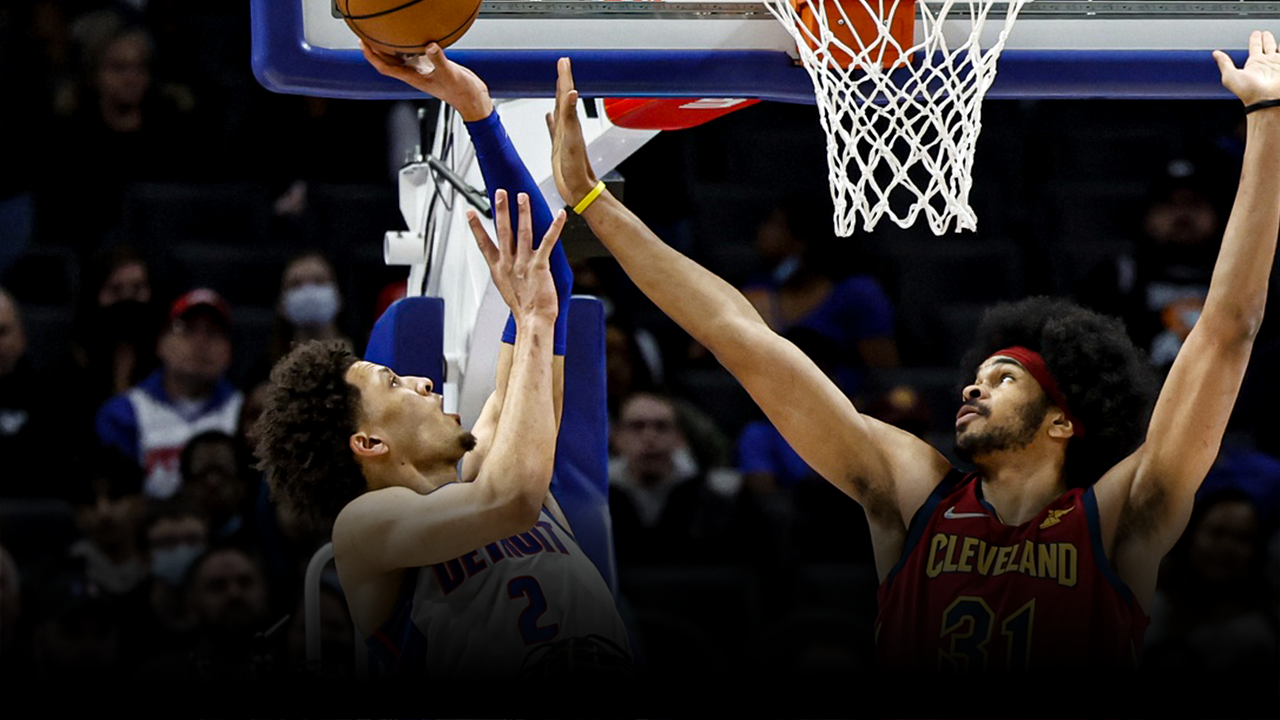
(181, 388)
(402, 473)
(121, 118)
(1019, 484)
(302, 333)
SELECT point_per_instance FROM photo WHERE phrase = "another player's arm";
(887, 470)
(414, 529)
(1155, 488)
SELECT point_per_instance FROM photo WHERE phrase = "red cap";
(201, 298)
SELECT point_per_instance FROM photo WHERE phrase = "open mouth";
(966, 412)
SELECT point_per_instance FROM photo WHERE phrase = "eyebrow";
(1001, 361)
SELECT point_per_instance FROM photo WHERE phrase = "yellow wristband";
(585, 202)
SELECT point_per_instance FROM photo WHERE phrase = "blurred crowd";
(140, 543)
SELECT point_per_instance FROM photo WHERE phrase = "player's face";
(1004, 409)
(405, 413)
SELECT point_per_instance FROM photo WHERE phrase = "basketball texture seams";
(408, 26)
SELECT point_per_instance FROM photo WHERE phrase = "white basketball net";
(901, 140)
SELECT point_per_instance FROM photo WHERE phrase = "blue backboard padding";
(283, 62)
(409, 338)
(581, 482)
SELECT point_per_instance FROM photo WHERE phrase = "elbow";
(518, 509)
(1237, 324)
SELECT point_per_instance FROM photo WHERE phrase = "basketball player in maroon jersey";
(1045, 557)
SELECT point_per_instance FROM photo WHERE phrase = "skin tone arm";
(466, 93)
(1146, 501)
(888, 471)
(417, 527)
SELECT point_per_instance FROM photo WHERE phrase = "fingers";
(382, 62)
(566, 95)
(524, 228)
(551, 237)
(487, 249)
(1225, 63)
(502, 219)
(1268, 42)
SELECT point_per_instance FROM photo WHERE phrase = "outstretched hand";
(521, 273)
(569, 161)
(436, 75)
(1259, 79)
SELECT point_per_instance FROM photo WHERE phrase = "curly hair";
(310, 413)
(1108, 381)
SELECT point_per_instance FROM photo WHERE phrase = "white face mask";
(311, 304)
(170, 564)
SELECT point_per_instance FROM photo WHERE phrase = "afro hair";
(1108, 382)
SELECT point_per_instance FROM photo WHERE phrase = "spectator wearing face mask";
(174, 533)
(309, 307)
(309, 304)
(117, 323)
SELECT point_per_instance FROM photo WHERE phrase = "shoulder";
(373, 506)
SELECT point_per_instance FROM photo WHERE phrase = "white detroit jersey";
(481, 615)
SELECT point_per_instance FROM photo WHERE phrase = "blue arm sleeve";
(503, 169)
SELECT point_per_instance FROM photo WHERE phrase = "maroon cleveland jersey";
(973, 595)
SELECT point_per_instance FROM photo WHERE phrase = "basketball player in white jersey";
(458, 565)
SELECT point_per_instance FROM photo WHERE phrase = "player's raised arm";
(888, 471)
(1160, 481)
(501, 167)
(422, 523)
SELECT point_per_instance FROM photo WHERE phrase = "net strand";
(900, 140)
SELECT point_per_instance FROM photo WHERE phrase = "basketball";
(407, 27)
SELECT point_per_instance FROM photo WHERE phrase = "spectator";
(230, 601)
(308, 308)
(214, 469)
(114, 118)
(663, 507)
(76, 637)
(107, 505)
(174, 533)
(814, 522)
(1160, 287)
(28, 413)
(337, 636)
(189, 393)
(116, 325)
(802, 286)
(1214, 616)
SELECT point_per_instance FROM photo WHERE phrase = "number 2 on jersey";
(528, 587)
(969, 622)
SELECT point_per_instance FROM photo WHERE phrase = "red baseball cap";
(201, 299)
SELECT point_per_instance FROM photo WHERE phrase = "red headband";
(1033, 363)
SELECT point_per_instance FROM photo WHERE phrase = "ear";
(1060, 427)
(367, 447)
(164, 345)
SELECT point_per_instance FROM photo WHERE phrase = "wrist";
(476, 110)
(580, 190)
(1268, 104)
(536, 320)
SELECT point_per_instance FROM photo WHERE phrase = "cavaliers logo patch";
(1055, 517)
